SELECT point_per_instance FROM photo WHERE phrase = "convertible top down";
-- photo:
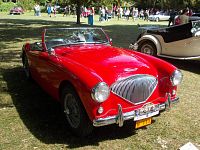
(98, 84)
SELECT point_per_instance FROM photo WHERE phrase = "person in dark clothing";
(172, 17)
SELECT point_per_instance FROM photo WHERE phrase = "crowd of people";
(105, 14)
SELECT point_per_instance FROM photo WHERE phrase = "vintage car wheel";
(157, 19)
(75, 113)
(148, 48)
(26, 66)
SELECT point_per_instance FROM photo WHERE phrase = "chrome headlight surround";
(176, 77)
(100, 92)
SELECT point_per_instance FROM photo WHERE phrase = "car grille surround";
(135, 89)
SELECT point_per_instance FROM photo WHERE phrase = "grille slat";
(136, 89)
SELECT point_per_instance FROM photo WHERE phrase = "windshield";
(196, 24)
(68, 36)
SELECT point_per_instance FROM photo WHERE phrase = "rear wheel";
(75, 113)
(148, 48)
(26, 66)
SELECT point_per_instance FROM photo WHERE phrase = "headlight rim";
(94, 90)
(173, 76)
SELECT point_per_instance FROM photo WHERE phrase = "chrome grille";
(136, 89)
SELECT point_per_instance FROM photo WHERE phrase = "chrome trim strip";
(121, 117)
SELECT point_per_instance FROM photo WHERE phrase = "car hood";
(107, 61)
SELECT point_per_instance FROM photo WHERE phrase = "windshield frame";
(106, 40)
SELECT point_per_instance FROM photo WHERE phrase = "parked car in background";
(98, 84)
(177, 42)
(159, 17)
(194, 17)
(16, 11)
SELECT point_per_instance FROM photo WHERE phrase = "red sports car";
(96, 83)
(16, 11)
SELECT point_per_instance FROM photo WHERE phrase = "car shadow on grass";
(43, 116)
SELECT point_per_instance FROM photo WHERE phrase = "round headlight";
(176, 77)
(100, 92)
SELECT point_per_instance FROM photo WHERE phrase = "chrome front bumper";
(121, 117)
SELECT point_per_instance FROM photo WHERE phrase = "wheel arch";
(153, 39)
(63, 84)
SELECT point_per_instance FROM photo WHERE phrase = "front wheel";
(75, 113)
(148, 48)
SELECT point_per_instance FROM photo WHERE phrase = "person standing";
(127, 13)
(106, 14)
(172, 17)
(103, 12)
(65, 11)
(135, 13)
(91, 16)
(184, 18)
(146, 15)
(49, 10)
(54, 10)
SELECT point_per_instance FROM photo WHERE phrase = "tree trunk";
(118, 3)
(78, 12)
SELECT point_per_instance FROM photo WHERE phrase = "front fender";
(152, 39)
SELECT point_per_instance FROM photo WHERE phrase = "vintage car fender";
(152, 39)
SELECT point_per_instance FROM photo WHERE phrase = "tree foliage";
(26, 4)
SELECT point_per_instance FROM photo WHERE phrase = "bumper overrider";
(148, 110)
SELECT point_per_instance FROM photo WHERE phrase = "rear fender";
(152, 39)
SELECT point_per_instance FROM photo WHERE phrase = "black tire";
(76, 116)
(147, 48)
(26, 66)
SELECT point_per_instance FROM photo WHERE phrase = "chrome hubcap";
(147, 50)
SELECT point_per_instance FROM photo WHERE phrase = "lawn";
(30, 119)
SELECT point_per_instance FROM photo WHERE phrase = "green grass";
(30, 119)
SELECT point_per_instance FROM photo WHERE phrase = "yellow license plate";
(143, 122)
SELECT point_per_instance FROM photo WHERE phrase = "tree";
(80, 3)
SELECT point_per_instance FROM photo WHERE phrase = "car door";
(46, 68)
(51, 72)
(33, 54)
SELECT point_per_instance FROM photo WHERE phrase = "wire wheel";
(148, 48)
(26, 67)
(76, 116)
(71, 110)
